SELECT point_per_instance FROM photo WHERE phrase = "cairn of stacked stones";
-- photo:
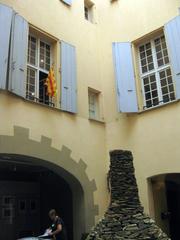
(125, 218)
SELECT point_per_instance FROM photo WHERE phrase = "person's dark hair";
(52, 212)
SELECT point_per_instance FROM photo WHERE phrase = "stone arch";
(20, 147)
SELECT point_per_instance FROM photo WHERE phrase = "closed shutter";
(18, 58)
(6, 14)
(68, 2)
(125, 80)
(68, 78)
(172, 33)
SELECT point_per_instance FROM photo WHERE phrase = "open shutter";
(68, 2)
(6, 14)
(172, 33)
(125, 80)
(68, 78)
(18, 58)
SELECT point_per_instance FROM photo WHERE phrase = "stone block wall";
(125, 218)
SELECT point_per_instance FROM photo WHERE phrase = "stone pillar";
(125, 218)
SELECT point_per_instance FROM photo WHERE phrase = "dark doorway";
(165, 190)
(173, 202)
(27, 193)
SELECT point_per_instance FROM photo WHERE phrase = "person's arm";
(58, 230)
(48, 230)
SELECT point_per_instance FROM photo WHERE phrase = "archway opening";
(29, 188)
(165, 192)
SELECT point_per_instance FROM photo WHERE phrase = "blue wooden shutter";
(6, 14)
(125, 80)
(172, 33)
(18, 58)
(68, 78)
(68, 2)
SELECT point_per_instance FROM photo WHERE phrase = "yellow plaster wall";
(153, 136)
(86, 139)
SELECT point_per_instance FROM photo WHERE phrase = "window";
(39, 63)
(8, 200)
(7, 213)
(93, 104)
(22, 205)
(33, 205)
(156, 75)
(88, 10)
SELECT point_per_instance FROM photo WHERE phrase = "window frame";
(86, 13)
(36, 205)
(11, 210)
(89, 11)
(97, 107)
(37, 67)
(11, 198)
(19, 206)
(154, 71)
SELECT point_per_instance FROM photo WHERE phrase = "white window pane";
(44, 58)
(31, 83)
(146, 58)
(32, 50)
(93, 105)
(167, 87)
(156, 72)
(161, 51)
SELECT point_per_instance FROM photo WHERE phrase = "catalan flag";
(50, 83)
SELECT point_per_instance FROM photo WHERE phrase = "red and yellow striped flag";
(51, 83)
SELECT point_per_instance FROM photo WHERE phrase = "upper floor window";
(30, 63)
(156, 61)
(156, 75)
(88, 10)
(39, 63)
(86, 13)
(93, 104)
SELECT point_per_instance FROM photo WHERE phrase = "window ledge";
(159, 106)
(41, 104)
(37, 103)
(48, 106)
(96, 120)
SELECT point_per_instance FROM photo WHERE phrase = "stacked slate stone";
(125, 218)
